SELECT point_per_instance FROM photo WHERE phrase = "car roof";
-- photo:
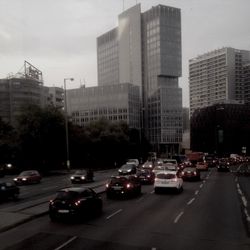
(74, 189)
(167, 172)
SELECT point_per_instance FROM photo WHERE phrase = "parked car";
(81, 176)
(133, 161)
(8, 190)
(190, 173)
(123, 186)
(127, 169)
(28, 177)
(168, 180)
(146, 176)
(75, 202)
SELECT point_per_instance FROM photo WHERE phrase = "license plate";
(63, 211)
(117, 188)
(164, 182)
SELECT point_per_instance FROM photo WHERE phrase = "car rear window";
(118, 180)
(165, 176)
(67, 195)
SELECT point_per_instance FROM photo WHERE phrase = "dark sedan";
(146, 176)
(223, 165)
(190, 173)
(127, 169)
(81, 176)
(120, 186)
(8, 190)
(75, 202)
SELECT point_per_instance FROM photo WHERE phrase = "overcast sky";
(59, 36)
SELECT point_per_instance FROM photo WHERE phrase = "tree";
(41, 137)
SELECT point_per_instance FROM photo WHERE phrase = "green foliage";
(40, 141)
(41, 137)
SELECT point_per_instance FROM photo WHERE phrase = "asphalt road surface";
(206, 215)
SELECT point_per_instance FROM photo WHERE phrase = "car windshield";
(117, 180)
(25, 173)
(189, 169)
(126, 167)
(67, 195)
(80, 172)
(165, 176)
(169, 161)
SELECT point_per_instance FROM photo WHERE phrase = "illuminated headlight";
(150, 166)
(24, 179)
(148, 176)
(9, 165)
(72, 177)
(15, 179)
(129, 170)
(83, 177)
(107, 185)
(120, 170)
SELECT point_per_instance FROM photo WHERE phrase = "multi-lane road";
(208, 214)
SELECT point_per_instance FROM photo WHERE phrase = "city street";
(206, 215)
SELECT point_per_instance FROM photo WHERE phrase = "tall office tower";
(217, 77)
(145, 50)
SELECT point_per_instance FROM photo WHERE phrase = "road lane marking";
(110, 216)
(238, 185)
(153, 248)
(244, 200)
(196, 192)
(201, 185)
(247, 215)
(140, 199)
(152, 192)
(204, 181)
(191, 201)
(66, 243)
(239, 191)
(178, 217)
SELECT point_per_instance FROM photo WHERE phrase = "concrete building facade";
(217, 77)
(116, 103)
(16, 93)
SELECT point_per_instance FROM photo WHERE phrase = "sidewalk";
(29, 210)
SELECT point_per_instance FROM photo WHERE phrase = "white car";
(168, 180)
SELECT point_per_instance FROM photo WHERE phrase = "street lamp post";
(66, 122)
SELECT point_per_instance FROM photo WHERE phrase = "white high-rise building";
(145, 50)
(217, 77)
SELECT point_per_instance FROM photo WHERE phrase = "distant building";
(56, 97)
(16, 93)
(145, 50)
(217, 77)
(221, 129)
(116, 103)
(24, 88)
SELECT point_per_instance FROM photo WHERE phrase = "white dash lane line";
(66, 243)
(191, 201)
(178, 217)
(117, 212)
(196, 192)
(244, 200)
(152, 192)
(201, 185)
